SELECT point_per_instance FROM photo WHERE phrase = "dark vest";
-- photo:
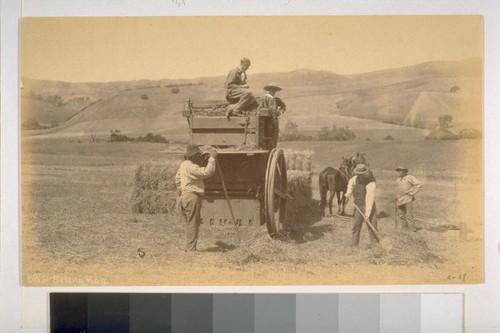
(359, 191)
(359, 194)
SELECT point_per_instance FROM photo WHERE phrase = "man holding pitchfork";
(362, 187)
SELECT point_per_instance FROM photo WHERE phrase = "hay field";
(78, 227)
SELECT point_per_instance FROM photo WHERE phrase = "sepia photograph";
(264, 150)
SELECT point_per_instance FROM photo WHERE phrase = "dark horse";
(358, 159)
(335, 181)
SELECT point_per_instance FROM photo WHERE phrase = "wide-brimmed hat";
(360, 169)
(192, 150)
(273, 86)
(401, 168)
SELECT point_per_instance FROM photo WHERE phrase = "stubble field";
(78, 227)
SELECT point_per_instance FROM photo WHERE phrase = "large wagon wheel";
(275, 192)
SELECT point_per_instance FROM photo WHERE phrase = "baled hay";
(290, 160)
(300, 160)
(154, 189)
(299, 194)
(307, 160)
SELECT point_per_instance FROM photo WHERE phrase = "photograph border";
(27, 306)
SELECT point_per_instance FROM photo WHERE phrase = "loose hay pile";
(154, 189)
(411, 248)
(258, 247)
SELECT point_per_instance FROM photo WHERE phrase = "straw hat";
(192, 150)
(273, 86)
(360, 169)
(401, 168)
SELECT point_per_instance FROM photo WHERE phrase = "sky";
(102, 49)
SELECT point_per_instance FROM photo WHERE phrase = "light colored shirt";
(370, 194)
(236, 77)
(279, 102)
(408, 186)
(189, 177)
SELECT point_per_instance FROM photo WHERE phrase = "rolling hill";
(388, 99)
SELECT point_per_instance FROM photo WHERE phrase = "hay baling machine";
(252, 171)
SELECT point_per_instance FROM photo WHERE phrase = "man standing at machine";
(190, 185)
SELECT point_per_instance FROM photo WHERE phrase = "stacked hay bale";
(154, 189)
(298, 165)
(298, 160)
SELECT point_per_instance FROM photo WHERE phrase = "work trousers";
(406, 215)
(358, 223)
(191, 209)
(245, 96)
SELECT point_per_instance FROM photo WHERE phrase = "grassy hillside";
(413, 96)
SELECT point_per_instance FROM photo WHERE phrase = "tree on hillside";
(290, 132)
(470, 133)
(454, 89)
(442, 132)
(31, 124)
(445, 121)
(116, 136)
(336, 134)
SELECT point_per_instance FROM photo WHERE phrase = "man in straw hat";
(237, 90)
(362, 187)
(271, 89)
(408, 186)
(189, 182)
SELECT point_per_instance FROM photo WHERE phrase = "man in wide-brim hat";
(191, 187)
(408, 186)
(271, 89)
(362, 187)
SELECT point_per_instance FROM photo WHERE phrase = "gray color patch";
(275, 313)
(233, 313)
(317, 313)
(359, 313)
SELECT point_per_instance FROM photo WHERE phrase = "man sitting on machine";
(238, 94)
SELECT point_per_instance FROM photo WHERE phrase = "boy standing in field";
(271, 90)
(408, 186)
(189, 182)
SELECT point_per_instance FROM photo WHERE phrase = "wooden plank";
(222, 122)
(242, 152)
(221, 139)
(265, 112)
(216, 212)
(208, 103)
